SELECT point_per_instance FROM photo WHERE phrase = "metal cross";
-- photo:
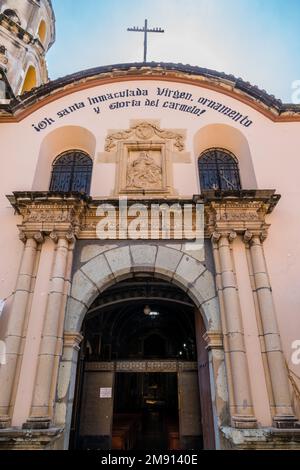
(145, 30)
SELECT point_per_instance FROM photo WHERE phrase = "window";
(218, 169)
(72, 171)
(12, 15)
(30, 81)
(42, 31)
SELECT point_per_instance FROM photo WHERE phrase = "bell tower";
(27, 31)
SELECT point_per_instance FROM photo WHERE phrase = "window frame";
(71, 171)
(218, 167)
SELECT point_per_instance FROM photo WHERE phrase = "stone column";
(66, 385)
(282, 412)
(215, 349)
(242, 410)
(52, 337)
(16, 324)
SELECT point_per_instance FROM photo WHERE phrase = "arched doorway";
(143, 374)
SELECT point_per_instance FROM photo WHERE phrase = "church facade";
(149, 254)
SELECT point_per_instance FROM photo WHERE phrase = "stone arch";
(55, 143)
(116, 264)
(231, 139)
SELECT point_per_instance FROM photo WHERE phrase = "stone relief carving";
(144, 172)
(238, 215)
(144, 155)
(49, 215)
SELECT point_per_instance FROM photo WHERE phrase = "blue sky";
(258, 40)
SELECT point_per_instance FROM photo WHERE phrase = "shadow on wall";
(59, 141)
(228, 138)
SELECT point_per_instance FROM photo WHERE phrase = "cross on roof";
(145, 30)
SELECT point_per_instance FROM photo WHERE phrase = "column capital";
(72, 339)
(217, 235)
(36, 236)
(54, 236)
(213, 339)
(69, 236)
(251, 235)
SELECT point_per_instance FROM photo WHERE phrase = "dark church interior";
(138, 320)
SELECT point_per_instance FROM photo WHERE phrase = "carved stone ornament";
(76, 216)
(48, 214)
(144, 155)
(27, 235)
(249, 237)
(239, 214)
(144, 131)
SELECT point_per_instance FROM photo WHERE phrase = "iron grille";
(219, 170)
(72, 172)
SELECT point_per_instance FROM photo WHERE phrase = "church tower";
(27, 31)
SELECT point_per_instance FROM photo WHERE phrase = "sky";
(257, 40)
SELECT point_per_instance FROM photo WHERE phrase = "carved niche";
(144, 155)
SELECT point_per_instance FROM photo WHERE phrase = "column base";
(244, 422)
(286, 422)
(5, 422)
(37, 440)
(42, 422)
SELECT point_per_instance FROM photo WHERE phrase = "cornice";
(237, 212)
(240, 212)
(236, 88)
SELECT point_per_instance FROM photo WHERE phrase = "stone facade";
(241, 281)
(96, 267)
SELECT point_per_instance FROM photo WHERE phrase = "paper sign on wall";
(106, 392)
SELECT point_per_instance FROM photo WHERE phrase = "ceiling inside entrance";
(119, 326)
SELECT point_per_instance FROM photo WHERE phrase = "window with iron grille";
(72, 171)
(218, 169)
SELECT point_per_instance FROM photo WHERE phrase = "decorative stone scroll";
(144, 155)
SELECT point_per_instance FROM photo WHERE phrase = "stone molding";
(144, 155)
(214, 340)
(73, 215)
(237, 212)
(56, 215)
(142, 366)
(72, 340)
